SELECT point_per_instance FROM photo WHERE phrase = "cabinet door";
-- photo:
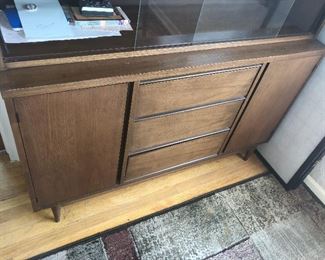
(278, 88)
(72, 141)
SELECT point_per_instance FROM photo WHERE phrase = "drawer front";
(195, 90)
(169, 128)
(173, 156)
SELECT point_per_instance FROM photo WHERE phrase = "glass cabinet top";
(171, 22)
(163, 23)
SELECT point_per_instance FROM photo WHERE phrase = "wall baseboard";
(315, 188)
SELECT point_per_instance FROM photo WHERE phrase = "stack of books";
(89, 22)
(116, 21)
(96, 8)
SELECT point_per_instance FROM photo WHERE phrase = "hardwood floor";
(12, 183)
(25, 233)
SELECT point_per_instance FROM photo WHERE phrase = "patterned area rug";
(255, 220)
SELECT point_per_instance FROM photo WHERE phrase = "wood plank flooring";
(25, 233)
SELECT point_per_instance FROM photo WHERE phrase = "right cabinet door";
(278, 88)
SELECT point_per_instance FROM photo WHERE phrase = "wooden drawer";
(185, 92)
(173, 156)
(173, 127)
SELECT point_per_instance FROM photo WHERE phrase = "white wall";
(6, 132)
(301, 131)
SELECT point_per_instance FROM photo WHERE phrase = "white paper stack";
(47, 23)
(47, 19)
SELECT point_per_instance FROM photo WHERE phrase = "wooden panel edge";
(201, 68)
(138, 53)
(128, 141)
(252, 89)
(202, 74)
(21, 150)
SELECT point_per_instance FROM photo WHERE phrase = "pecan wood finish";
(88, 124)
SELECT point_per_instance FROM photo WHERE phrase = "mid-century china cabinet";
(194, 80)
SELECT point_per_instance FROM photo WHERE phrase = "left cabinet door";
(72, 141)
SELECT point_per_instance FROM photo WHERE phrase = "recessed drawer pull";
(190, 91)
(169, 128)
(172, 156)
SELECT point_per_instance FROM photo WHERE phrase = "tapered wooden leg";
(57, 213)
(247, 154)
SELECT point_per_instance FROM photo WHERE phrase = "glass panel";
(223, 20)
(304, 17)
(163, 23)
(167, 22)
(125, 42)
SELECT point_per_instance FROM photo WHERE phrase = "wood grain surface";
(149, 52)
(185, 124)
(172, 156)
(193, 90)
(53, 78)
(280, 85)
(72, 141)
(25, 234)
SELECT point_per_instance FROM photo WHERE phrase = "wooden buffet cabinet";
(87, 124)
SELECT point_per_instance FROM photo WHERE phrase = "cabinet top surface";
(84, 74)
